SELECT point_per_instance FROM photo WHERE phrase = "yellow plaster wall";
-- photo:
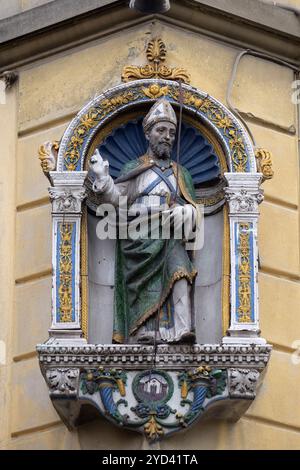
(8, 107)
(51, 92)
(292, 3)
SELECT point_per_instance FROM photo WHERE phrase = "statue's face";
(161, 139)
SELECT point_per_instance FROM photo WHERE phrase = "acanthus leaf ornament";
(62, 381)
(243, 201)
(156, 54)
(67, 200)
(243, 383)
(156, 51)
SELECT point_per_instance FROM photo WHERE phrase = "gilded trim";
(156, 54)
(217, 116)
(65, 289)
(211, 201)
(76, 141)
(180, 274)
(117, 338)
(90, 121)
(84, 273)
(111, 126)
(226, 273)
(244, 273)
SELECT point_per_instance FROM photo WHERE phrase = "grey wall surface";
(13, 7)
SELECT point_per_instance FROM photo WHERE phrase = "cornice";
(63, 24)
(166, 357)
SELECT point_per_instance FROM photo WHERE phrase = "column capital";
(67, 200)
(68, 192)
(243, 193)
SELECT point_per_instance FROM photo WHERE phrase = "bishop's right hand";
(98, 172)
(98, 167)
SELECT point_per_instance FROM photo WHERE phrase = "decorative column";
(244, 195)
(67, 195)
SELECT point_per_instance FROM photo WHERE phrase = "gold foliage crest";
(156, 54)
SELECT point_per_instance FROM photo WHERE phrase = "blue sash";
(161, 177)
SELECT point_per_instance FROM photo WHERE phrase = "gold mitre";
(161, 111)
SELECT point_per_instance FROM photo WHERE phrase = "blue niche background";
(128, 143)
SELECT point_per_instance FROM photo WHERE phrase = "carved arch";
(223, 124)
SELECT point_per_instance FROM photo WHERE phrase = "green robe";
(146, 269)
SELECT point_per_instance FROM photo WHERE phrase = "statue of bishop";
(153, 276)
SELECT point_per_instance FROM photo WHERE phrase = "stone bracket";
(156, 398)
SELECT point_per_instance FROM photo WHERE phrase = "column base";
(244, 340)
(66, 337)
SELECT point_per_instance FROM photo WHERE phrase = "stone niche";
(155, 390)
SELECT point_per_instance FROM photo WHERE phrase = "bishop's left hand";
(182, 220)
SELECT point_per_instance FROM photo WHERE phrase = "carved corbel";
(190, 383)
(264, 161)
(48, 153)
(242, 383)
(62, 382)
